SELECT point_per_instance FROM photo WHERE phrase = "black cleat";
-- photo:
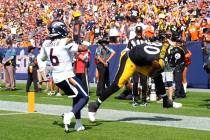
(144, 104)
(135, 103)
(167, 103)
(93, 107)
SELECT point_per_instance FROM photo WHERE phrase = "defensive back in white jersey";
(61, 56)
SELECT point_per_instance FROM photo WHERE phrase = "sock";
(185, 87)
(164, 96)
(78, 121)
(98, 102)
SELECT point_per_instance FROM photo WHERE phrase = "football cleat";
(92, 116)
(134, 104)
(67, 120)
(144, 104)
(79, 127)
(92, 108)
(58, 94)
(66, 128)
(168, 104)
(51, 93)
(177, 105)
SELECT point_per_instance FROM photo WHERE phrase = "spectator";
(193, 31)
(81, 68)
(9, 62)
(18, 18)
(77, 23)
(149, 30)
(114, 31)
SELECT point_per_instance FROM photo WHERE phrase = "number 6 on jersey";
(54, 59)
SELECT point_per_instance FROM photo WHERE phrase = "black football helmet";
(59, 12)
(57, 29)
(139, 29)
(176, 56)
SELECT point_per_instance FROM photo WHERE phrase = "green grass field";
(34, 126)
(45, 127)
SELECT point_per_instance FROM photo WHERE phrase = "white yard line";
(177, 121)
(27, 96)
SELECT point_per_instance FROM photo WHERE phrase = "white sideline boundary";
(10, 114)
(176, 121)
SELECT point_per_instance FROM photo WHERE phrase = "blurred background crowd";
(26, 20)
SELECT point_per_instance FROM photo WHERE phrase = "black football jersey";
(146, 53)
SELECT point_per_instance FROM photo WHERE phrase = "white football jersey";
(60, 55)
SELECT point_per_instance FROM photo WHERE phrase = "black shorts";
(168, 84)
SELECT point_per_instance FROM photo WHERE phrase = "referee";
(138, 40)
(103, 55)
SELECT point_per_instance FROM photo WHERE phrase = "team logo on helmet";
(176, 56)
(57, 29)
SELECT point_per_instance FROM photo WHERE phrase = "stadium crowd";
(27, 20)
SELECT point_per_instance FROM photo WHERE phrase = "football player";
(147, 59)
(60, 51)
